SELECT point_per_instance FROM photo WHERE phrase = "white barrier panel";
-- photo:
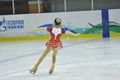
(114, 15)
(20, 25)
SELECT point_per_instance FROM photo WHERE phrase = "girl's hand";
(31, 30)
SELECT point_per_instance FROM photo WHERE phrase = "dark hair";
(57, 21)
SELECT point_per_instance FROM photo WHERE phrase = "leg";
(53, 60)
(34, 69)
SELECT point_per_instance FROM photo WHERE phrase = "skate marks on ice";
(85, 60)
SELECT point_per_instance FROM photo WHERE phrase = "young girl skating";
(53, 44)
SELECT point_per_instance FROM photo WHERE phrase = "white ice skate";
(32, 72)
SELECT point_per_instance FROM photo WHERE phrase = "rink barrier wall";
(17, 27)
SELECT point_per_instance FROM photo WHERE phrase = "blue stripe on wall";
(105, 23)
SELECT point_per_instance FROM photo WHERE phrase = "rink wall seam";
(27, 38)
(24, 38)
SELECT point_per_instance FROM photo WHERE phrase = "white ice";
(94, 59)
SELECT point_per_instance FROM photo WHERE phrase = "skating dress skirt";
(55, 34)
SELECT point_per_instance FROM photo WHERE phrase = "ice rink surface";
(97, 59)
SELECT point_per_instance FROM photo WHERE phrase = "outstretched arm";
(38, 29)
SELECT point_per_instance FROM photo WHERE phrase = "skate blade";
(33, 73)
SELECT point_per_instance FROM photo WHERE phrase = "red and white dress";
(55, 34)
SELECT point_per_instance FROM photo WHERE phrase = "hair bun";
(58, 20)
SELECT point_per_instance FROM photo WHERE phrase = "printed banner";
(83, 22)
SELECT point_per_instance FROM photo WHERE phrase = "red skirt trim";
(54, 44)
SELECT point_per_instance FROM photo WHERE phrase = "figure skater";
(53, 44)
